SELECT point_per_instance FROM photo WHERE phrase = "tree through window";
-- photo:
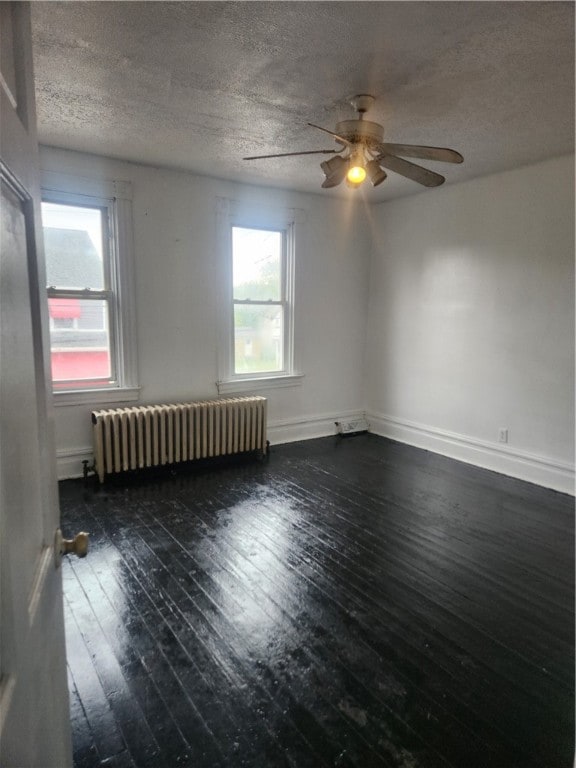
(256, 286)
(259, 300)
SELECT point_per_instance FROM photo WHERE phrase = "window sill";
(258, 384)
(96, 397)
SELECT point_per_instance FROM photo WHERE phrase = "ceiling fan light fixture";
(333, 165)
(356, 175)
(352, 184)
(357, 168)
(376, 174)
(335, 169)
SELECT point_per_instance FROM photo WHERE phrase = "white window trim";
(64, 188)
(232, 213)
(260, 384)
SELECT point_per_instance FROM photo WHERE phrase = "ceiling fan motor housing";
(363, 131)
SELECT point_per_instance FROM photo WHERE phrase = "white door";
(34, 715)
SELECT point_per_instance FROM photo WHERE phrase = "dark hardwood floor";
(352, 602)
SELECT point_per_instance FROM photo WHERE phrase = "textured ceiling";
(198, 85)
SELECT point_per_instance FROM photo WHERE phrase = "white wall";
(471, 321)
(176, 299)
(468, 324)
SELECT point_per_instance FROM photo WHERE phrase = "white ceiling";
(199, 85)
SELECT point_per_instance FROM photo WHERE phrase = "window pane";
(73, 246)
(258, 338)
(80, 342)
(257, 259)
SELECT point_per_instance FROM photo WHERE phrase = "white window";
(257, 299)
(87, 244)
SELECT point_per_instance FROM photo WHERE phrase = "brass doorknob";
(77, 546)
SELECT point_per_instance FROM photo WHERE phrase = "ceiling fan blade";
(292, 154)
(440, 154)
(411, 171)
(331, 133)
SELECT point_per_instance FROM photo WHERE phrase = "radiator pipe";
(88, 468)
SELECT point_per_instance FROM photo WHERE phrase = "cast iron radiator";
(152, 435)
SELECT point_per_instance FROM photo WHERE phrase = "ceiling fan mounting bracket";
(362, 102)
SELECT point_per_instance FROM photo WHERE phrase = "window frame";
(286, 243)
(286, 221)
(115, 200)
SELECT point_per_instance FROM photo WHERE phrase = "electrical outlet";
(502, 435)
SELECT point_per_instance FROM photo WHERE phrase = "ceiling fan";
(363, 153)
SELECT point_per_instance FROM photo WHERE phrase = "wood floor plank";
(313, 578)
(352, 602)
(128, 715)
(553, 619)
(301, 625)
(228, 685)
(260, 610)
(108, 739)
(134, 688)
(227, 640)
(84, 750)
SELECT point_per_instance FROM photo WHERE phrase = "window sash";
(107, 294)
(95, 383)
(255, 215)
(101, 382)
(116, 197)
(285, 367)
(71, 293)
(256, 303)
(107, 220)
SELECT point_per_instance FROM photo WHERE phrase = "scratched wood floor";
(346, 603)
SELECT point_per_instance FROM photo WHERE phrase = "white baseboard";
(499, 458)
(307, 428)
(520, 464)
(69, 462)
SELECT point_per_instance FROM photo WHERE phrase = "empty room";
(287, 384)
